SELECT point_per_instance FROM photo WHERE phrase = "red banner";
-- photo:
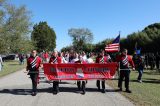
(79, 71)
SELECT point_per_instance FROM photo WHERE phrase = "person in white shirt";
(66, 56)
(84, 56)
(90, 58)
(75, 58)
(63, 59)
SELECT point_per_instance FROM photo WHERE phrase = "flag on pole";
(137, 51)
(115, 46)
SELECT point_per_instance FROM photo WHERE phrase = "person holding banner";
(81, 84)
(125, 60)
(55, 58)
(34, 62)
(102, 59)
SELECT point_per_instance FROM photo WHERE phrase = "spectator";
(1, 63)
(157, 60)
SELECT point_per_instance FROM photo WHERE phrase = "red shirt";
(59, 60)
(38, 62)
(99, 59)
(45, 55)
(55, 60)
(120, 58)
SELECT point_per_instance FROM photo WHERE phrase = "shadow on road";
(49, 90)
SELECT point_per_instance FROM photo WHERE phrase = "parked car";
(9, 57)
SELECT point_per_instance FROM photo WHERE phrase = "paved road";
(15, 90)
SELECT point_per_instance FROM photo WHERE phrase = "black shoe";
(83, 87)
(128, 91)
(120, 89)
(34, 94)
(55, 92)
(83, 92)
(103, 90)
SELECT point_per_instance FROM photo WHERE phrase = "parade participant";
(75, 58)
(140, 67)
(81, 84)
(55, 58)
(124, 60)
(34, 62)
(66, 56)
(71, 56)
(102, 59)
(135, 60)
(45, 56)
(63, 59)
(84, 56)
(90, 58)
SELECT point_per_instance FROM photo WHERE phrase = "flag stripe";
(114, 47)
(110, 47)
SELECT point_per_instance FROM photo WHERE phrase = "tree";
(43, 37)
(81, 37)
(14, 27)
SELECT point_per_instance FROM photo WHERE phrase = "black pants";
(34, 78)
(124, 74)
(102, 83)
(157, 64)
(81, 85)
(56, 86)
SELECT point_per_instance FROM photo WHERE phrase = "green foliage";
(14, 27)
(81, 38)
(43, 37)
(147, 39)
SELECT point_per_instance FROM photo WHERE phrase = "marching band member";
(55, 58)
(102, 59)
(45, 56)
(34, 62)
(124, 60)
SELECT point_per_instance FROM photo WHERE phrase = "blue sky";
(105, 18)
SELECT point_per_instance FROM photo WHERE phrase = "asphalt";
(15, 90)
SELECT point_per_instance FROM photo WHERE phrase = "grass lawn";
(146, 93)
(10, 67)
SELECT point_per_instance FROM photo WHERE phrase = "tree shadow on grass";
(151, 73)
(148, 80)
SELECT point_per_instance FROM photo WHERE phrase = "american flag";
(115, 46)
